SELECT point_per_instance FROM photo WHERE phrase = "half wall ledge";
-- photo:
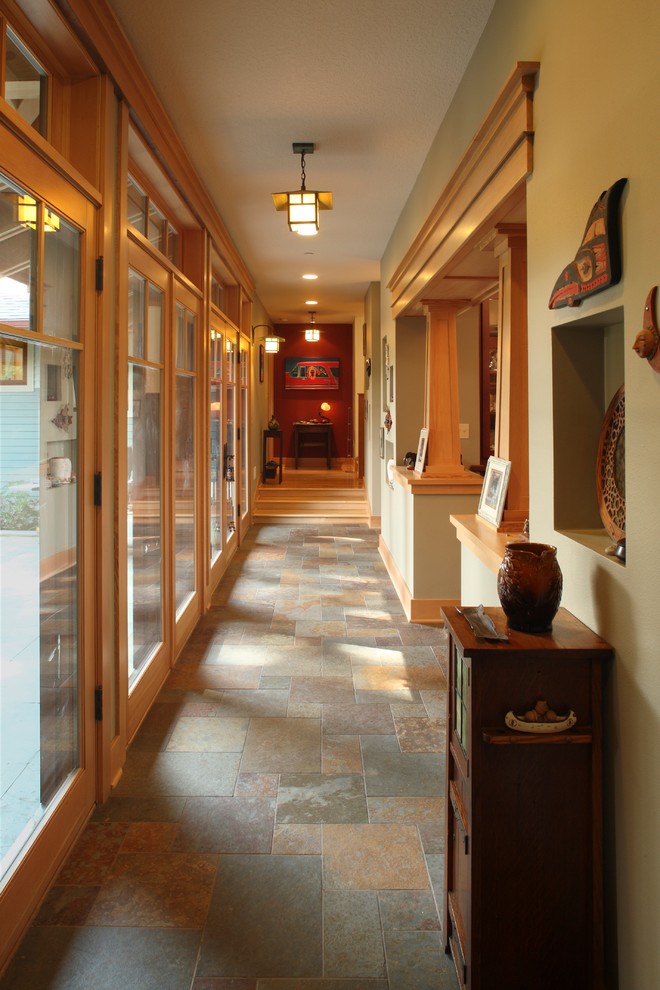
(418, 544)
(461, 483)
(483, 540)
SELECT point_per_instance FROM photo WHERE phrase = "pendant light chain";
(302, 172)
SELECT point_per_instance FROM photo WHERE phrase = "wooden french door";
(47, 520)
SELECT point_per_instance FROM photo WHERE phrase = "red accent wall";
(290, 405)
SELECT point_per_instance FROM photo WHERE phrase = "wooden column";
(443, 458)
(511, 424)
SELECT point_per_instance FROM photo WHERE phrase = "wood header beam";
(490, 174)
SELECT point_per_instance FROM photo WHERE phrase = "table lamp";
(325, 408)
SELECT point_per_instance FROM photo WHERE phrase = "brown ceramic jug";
(529, 584)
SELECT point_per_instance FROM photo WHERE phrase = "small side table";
(270, 435)
(309, 434)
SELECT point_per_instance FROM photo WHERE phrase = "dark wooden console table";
(524, 824)
(271, 435)
(306, 435)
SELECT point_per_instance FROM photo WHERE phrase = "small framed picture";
(421, 450)
(493, 492)
(381, 442)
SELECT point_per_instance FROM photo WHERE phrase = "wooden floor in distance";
(312, 495)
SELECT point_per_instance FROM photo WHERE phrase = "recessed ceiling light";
(310, 276)
(311, 302)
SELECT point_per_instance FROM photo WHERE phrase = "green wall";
(596, 108)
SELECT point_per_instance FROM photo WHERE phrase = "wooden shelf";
(580, 735)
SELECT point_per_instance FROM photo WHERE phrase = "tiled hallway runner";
(279, 822)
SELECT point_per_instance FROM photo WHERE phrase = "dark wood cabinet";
(523, 877)
(312, 435)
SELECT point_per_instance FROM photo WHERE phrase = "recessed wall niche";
(587, 370)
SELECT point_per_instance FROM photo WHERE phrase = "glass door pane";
(47, 565)
(144, 489)
(230, 438)
(61, 279)
(244, 366)
(18, 257)
(216, 352)
(39, 643)
(40, 726)
(184, 443)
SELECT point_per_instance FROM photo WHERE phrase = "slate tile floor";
(279, 823)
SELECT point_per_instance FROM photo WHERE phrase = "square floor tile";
(388, 771)
(418, 959)
(227, 825)
(91, 859)
(282, 745)
(297, 840)
(307, 798)
(265, 918)
(352, 936)
(341, 754)
(420, 735)
(373, 857)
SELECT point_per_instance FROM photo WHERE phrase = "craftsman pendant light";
(303, 205)
(312, 332)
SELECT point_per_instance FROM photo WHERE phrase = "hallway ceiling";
(367, 81)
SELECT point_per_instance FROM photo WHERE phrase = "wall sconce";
(324, 408)
(28, 215)
(303, 205)
(312, 332)
(272, 344)
(271, 340)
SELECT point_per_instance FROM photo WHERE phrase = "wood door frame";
(43, 857)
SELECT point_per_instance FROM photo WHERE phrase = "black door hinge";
(99, 274)
(238, 509)
(98, 488)
(98, 704)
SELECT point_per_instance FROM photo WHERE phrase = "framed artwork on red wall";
(310, 372)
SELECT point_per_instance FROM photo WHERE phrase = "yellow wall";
(596, 111)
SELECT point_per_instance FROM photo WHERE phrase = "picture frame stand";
(493, 491)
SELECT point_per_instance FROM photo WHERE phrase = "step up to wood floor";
(318, 502)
